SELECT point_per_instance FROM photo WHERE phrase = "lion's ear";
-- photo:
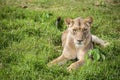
(88, 20)
(68, 22)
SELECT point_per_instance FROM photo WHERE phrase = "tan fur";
(77, 41)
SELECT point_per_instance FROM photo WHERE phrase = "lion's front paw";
(72, 67)
(106, 44)
(50, 64)
(69, 69)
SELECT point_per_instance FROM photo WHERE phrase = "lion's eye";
(85, 29)
(74, 30)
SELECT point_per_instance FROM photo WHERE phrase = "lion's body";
(77, 41)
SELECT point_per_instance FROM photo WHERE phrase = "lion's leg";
(97, 40)
(60, 60)
(77, 64)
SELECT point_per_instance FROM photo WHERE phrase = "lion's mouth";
(79, 44)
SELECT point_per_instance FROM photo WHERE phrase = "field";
(29, 39)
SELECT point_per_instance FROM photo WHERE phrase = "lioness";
(77, 40)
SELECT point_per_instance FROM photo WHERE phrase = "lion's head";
(79, 29)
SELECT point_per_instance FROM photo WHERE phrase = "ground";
(29, 39)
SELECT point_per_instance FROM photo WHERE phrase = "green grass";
(29, 39)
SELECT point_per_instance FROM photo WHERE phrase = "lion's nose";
(79, 41)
